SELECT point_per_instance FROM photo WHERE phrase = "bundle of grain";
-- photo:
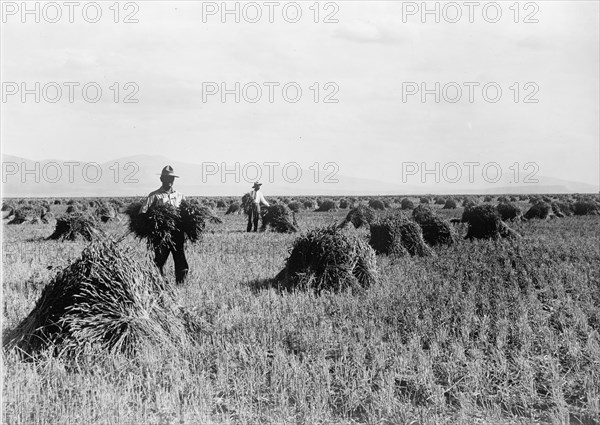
(26, 213)
(539, 210)
(469, 202)
(377, 204)
(562, 209)
(295, 206)
(329, 259)
(450, 204)
(109, 299)
(161, 222)
(105, 212)
(508, 211)
(192, 220)
(46, 217)
(326, 205)
(485, 223)
(395, 234)
(359, 216)
(308, 204)
(247, 203)
(435, 230)
(279, 218)
(407, 204)
(233, 208)
(70, 227)
(422, 214)
(586, 207)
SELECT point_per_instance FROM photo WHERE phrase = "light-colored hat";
(168, 172)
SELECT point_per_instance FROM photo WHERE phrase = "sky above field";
(371, 61)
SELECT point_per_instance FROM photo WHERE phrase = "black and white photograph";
(376, 212)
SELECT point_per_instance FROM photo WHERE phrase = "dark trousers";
(253, 216)
(161, 255)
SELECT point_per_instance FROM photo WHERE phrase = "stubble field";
(482, 332)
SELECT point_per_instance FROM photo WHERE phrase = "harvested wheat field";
(484, 330)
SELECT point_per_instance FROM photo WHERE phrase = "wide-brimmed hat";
(257, 185)
(168, 172)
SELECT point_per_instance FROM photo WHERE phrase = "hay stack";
(208, 214)
(295, 206)
(70, 227)
(435, 230)
(26, 214)
(586, 207)
(359, 216)
(508, 211)
(422, 214)
(395, 234)
(329, 259)
(539, 210)
(485, 223)
(377, 204)
(562, 209)
(108, 299)
(47, 217)
(327, 205)
(105, 212)
(450, 204)
(407, 204)
(279, 218)
(233, 208)
(76, 207)
(308, 204)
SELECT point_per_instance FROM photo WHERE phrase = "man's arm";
(263, 200)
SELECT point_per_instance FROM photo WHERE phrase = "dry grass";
(484, 332)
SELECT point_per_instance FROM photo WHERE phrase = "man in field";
(256, 199)
(167, 195)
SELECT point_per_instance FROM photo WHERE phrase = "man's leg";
(181, 264)
(256, 215)
(161, 254)
(249, 226)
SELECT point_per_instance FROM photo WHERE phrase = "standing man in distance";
(167, 195)
(257, 199)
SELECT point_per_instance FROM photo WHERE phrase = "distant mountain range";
(138, 175)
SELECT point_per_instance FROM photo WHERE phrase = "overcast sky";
(368, 55)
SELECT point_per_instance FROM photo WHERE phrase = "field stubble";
(482, 332)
